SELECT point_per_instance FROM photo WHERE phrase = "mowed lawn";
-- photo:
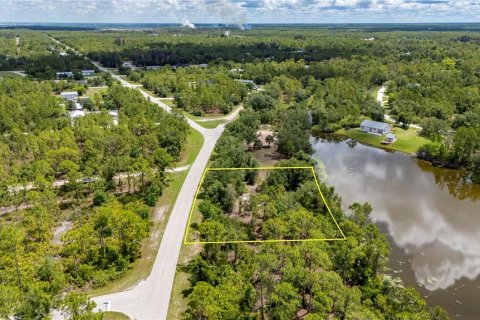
(408, 141)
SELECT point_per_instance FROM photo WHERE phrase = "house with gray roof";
(375, 127)
(69, 95)
(88, 73)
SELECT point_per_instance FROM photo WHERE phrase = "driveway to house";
(380, 95)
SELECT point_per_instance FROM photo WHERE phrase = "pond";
(431, 216)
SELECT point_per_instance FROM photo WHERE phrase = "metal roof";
(375, 124)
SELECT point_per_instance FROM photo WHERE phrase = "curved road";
(151, 297)
(380, 94)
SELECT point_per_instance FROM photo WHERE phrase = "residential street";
(150, 298)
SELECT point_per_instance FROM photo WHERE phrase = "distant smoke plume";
(229, 12)
(187, 24)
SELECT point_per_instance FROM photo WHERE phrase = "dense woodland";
(305, 81)
(196, 90)
(110, 174)
(317, 280)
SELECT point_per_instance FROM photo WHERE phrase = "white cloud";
(240, 11)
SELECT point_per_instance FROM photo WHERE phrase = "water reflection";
(432, 213)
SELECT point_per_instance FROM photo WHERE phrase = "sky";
(240, 11)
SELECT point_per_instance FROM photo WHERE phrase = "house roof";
(69, 93)
(391, 136)
(77, 113)
(375, 124)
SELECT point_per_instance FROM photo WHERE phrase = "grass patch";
(375, 92)
(8, 74)
(92, 91)
(408, 141)
(168, 102)
(142, 267)
(178, 302)
(210, 124)
(212, 116)
(267, 157)
(111, 315)
(192, 148)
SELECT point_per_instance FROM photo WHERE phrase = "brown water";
(431, 215)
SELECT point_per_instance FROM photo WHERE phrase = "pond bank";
(429, 214)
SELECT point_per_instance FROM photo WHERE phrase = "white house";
(87, 73)
(64, 74)
(69, 95)
(128, 65)
(375, 127)
(76, 114)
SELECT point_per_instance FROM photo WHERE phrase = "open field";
(408, 141)
(92, 90)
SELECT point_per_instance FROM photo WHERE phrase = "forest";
(311, 280)
(80, 192)
(100, 180)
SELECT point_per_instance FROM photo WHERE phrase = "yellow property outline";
(260, 241)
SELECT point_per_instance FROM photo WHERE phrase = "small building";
(375, 127)
(128, 65)
(76, 114)
(69, 95)
(87, 73)
(64, 75)
(391, 138)
(248, 83)
(152, 67)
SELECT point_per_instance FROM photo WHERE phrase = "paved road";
(150, 298)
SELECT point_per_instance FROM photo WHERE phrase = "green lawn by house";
(408, 141)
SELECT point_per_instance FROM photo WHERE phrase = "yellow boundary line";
(260, 241)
